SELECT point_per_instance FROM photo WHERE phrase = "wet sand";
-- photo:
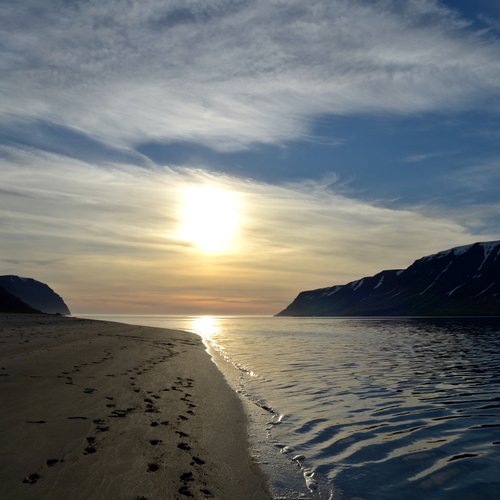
(100, 410)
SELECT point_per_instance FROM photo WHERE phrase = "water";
(369, 408)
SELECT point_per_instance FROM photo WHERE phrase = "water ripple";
(380, 408)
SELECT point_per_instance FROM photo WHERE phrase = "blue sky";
(388, 107)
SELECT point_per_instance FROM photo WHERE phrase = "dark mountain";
(462, 281)
(11, 304)
(34, 293)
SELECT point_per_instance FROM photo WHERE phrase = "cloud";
(111, 235)
(482, 177)
(229, 73)
(419, 157)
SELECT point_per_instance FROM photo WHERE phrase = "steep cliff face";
(11, 304)
(34, 293)
(461, 281)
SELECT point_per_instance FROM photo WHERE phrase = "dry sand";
(99, 410)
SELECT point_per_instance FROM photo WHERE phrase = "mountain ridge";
(459, 281)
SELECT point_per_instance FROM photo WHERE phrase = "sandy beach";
(100, 410)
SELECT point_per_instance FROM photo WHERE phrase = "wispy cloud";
(419, 157)
(231, 73)
(481, 177)
(111, 233)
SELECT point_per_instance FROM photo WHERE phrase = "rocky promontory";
(19, 294)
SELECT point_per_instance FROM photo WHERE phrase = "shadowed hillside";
(35, 294)
(462, 281)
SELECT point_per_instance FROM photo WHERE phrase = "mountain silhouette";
(461, 281)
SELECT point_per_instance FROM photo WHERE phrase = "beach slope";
(104, 410)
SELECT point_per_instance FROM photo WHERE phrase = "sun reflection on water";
(211, 330)
(205, 326)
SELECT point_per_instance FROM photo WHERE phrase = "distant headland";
(26, 295)
(461, 281)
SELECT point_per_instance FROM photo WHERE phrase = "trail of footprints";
(149, 405)
(186, 478)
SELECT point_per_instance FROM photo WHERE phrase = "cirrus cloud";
(229, 74)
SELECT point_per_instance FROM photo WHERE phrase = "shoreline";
(96, 409)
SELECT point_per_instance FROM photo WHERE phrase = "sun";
(210, 218)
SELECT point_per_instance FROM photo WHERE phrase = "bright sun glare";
(210, 218)
(205, 326)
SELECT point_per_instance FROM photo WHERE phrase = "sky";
(193, 157)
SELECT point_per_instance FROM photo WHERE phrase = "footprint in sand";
(186, 477)
(52, 461)
(184, 446)
(153, 467)
(119, 413)
(184, 490)
(101, 425)
(32, 478)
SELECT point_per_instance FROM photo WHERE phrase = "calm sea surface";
(364, 408)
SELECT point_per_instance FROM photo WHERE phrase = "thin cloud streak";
(230, 74)
(483, 177)
(420, 157)
(111, 233)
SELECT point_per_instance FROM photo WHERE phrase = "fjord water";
(369, 408)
